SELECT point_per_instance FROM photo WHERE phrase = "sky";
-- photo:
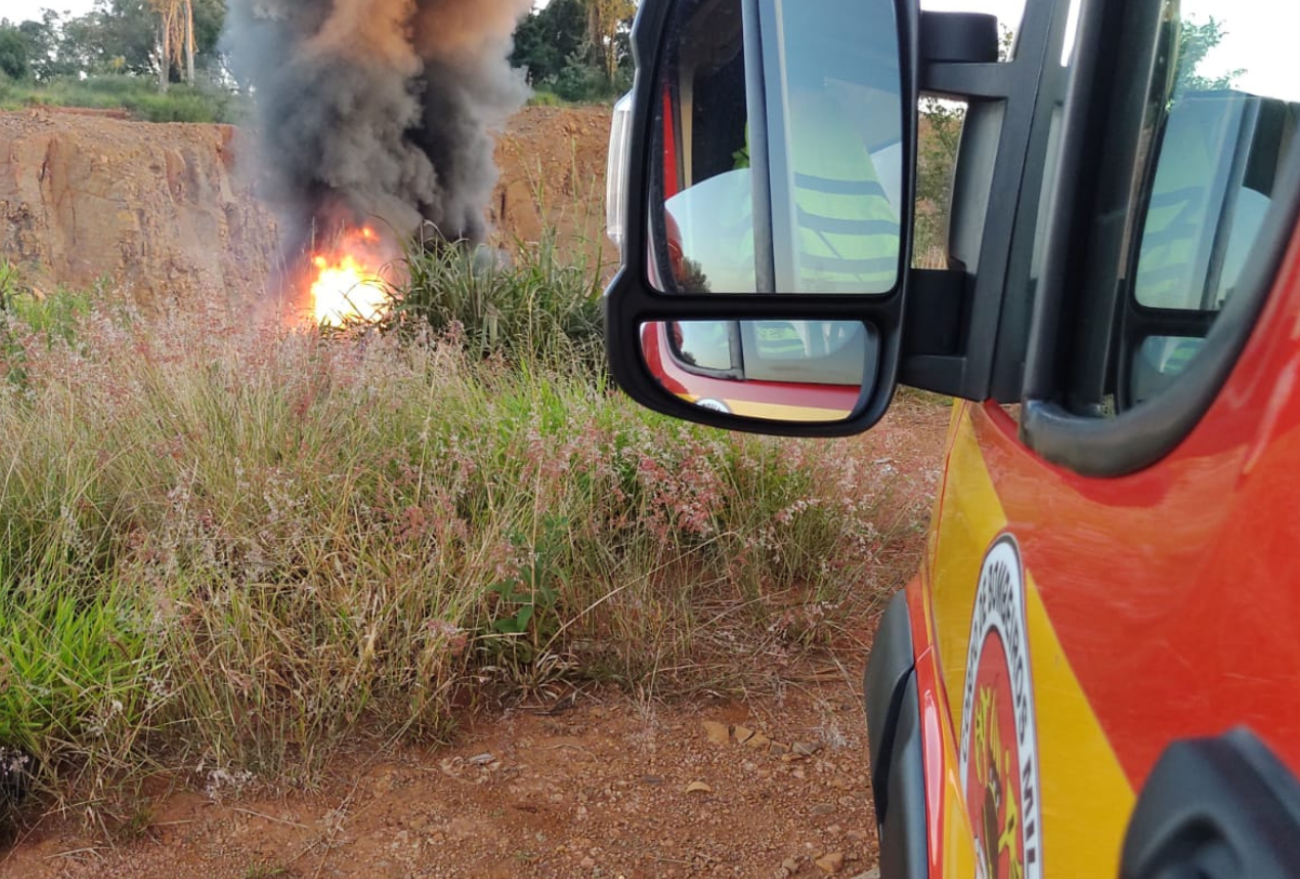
(1260, 38)
(22, 10)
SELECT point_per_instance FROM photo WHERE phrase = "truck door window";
(1213, 146)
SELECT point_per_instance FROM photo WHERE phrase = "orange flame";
(345, 291)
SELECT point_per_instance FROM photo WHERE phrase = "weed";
(136, 95)
(529, 306)
(241, 548)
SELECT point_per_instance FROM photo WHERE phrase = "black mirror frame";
(630, 301)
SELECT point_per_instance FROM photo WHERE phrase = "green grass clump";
(266, 544)
(76, 667)
(529, 305)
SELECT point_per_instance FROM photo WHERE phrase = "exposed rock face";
(158, 208)
(166, 211)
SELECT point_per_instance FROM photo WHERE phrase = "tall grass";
(240, 547)
(529, 304)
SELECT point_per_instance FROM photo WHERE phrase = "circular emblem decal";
(999, 744)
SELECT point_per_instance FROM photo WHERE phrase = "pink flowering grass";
(294, 543)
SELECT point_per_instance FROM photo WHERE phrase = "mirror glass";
(1159, 361)
(776, 370)
(778, 157)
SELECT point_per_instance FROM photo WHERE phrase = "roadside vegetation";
(232, 550)
(136, 96)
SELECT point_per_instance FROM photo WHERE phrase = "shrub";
(526, 305)
(266, 544)
(137, 95)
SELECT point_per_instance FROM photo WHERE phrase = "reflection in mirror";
(776, 370)
(1159, 361)
(800, 195)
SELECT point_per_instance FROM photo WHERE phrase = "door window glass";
(1217, 142)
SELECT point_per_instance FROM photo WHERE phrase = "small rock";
(481, 760)
(873, 873)
(778, 749)
(758, 740)
(791, 864)
(698, 787)
(718, 733)
(835, 830)
(743, 734)
(823, 809)
(806, 749)
(588, 862)
(831, 863)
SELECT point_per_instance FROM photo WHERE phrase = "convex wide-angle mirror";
(765, 169)
(810, 371)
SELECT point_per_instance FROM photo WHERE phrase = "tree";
(1195, 42)
(938, 142)
(15, 52)
(546, 40)
(126, 36)
(605, 20)
(175, 38)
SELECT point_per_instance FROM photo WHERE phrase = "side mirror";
(765, 170)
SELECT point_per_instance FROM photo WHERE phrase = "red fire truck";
(1096, 671)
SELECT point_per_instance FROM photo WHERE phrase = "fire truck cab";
(1096, 670)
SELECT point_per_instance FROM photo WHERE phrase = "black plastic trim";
(888, 666)
(894, 746)
(962, 37)
(904, 852)
(1216, 808)
(630, 300)
(968, 81)
(1002, 147)
(937, 301)
(1045, 146)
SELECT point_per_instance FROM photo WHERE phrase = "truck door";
(1109, 596)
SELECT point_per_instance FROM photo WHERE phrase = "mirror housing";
(634, 298)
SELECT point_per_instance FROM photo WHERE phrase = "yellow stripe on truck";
(1086, 799)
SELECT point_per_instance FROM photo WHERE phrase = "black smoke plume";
(378, 109)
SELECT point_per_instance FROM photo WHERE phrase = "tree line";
(174, 40)
(574, 49)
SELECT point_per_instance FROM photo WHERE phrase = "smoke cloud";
(378, 108)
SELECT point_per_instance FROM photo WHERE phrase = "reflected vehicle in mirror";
(810, 371)
(830, 183)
